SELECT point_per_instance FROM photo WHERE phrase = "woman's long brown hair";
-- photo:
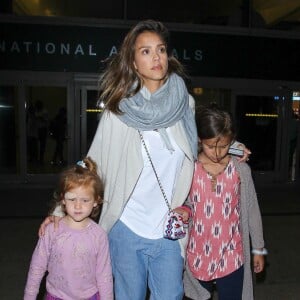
(119, 77)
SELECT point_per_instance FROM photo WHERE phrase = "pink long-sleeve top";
(77, 261)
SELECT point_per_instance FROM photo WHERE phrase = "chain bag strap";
(173, 225)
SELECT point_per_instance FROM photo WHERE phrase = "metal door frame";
(83, 83)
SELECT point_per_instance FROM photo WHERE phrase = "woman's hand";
(47, 221)
(246, 155)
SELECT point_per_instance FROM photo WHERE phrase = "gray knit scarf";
(166, 106)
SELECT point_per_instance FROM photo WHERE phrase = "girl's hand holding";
(47, 221)
(258, 263)
(184, 212)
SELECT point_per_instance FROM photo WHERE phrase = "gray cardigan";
(251, 227)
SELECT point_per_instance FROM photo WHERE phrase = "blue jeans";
(138, 263)
(229, 287)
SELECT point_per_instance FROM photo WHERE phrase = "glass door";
(46, 129)
(33, 128)
(262, 121)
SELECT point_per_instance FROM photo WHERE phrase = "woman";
(144, 92)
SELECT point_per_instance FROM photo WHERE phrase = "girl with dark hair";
(225, 215)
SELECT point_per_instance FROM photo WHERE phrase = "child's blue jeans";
(229, 287)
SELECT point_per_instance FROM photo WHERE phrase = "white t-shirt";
(146, 209)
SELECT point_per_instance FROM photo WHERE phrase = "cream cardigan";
(116, 149)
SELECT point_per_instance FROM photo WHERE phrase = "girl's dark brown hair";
(214, 122)
(120, 75)
(84, 174)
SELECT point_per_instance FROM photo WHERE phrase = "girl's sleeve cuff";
(262, 251)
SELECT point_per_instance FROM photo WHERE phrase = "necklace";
(213, 181)
(213, 177)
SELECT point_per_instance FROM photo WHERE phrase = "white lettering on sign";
(91, 51)
(65, 49)
(38, 48)
(50, 48)
(113, 51)
(187, 54)
(27, 46)
(15, 47)
(47, 48)
(198, 55)
(81, 49)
